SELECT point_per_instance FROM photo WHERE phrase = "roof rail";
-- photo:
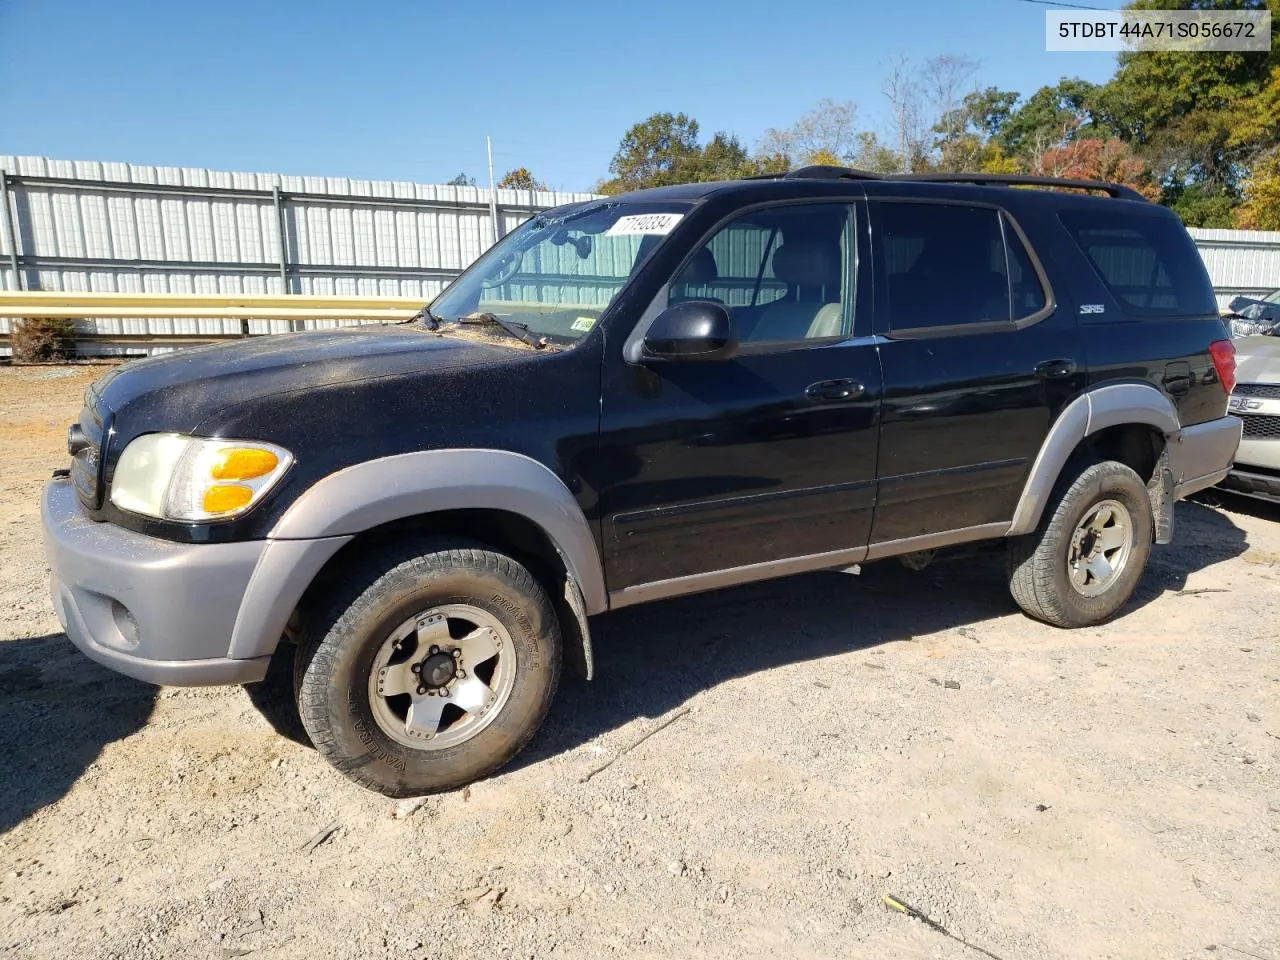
(1019, 180)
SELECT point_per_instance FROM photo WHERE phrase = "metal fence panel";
(118, 227)
(115, 227)
(1240, 262)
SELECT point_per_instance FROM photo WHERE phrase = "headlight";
(175, 477)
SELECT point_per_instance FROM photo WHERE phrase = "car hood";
(1258, 360)
(175, 391)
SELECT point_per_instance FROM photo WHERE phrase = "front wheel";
(1083, 563)
(436, 669)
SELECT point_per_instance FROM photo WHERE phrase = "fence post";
(284, 252)
(9, 217)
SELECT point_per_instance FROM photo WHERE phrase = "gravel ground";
(1109, 792)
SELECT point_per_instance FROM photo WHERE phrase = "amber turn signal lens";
(226, 497)
(243, 463)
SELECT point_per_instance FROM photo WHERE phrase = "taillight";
(1224, 361)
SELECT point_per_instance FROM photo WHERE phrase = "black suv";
(635, 398)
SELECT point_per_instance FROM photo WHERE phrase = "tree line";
(1199, 132)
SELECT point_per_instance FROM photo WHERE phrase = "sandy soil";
(1109, 792)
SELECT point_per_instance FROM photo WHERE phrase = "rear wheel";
(435, 669)
(1083, 563)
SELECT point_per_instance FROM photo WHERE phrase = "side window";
(951, 265)
(1148, 263)
(786, 273)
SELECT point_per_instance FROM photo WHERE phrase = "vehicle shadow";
(650, 659)
(1238, 503)
(1202, 536)
(272, 696)
(58, 709)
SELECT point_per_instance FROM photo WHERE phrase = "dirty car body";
(728, 382)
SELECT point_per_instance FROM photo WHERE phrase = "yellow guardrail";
(144, 306)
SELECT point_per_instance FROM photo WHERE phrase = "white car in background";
(1256, 401)
(1249, 316)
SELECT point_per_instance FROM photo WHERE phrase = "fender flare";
(366, 495)
(1094, 410)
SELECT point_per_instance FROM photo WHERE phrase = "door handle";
(1055, 369)
(835, 390)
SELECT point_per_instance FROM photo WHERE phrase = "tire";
(439, 596)
(1045, 582)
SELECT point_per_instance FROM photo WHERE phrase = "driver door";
(734, 469)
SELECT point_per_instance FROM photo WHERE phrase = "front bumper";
(1202, 454)
(159, 611)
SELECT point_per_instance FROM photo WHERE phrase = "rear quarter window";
(1148, 263)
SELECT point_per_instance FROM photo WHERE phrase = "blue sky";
(398, 90)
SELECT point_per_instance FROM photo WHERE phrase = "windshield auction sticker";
(1146, 30)
(657, 224)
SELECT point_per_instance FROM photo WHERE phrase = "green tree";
(1178, 108)
(724, 158)
(1048, 118)
(1201, 204)
(664, 150)
(520, 179)
(964, 136)
(988, 110)
(461, 180)
(656, 152)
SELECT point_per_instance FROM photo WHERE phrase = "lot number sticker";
(658, 224)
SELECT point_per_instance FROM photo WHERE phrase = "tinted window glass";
(1148, 263)
(786, 273)
(945, 265)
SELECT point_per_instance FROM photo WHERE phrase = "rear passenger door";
(976, 361)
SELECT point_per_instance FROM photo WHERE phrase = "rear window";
(1149, 264)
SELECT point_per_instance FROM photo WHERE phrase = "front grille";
(1257, 427)
(1268, 391)
(86, 465)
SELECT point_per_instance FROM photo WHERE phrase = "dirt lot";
(1105, 793)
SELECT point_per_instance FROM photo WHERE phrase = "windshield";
(556, 274)
(1272, 297)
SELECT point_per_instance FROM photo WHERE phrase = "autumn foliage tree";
(520, 179)
(1095, 158)
(1196, 131)
(1261, 207)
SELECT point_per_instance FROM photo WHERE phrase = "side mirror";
(693, 330)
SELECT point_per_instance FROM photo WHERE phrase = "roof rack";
(823, 171)
(1020, 180)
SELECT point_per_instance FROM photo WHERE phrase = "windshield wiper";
(429, 319)
(518, 330)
